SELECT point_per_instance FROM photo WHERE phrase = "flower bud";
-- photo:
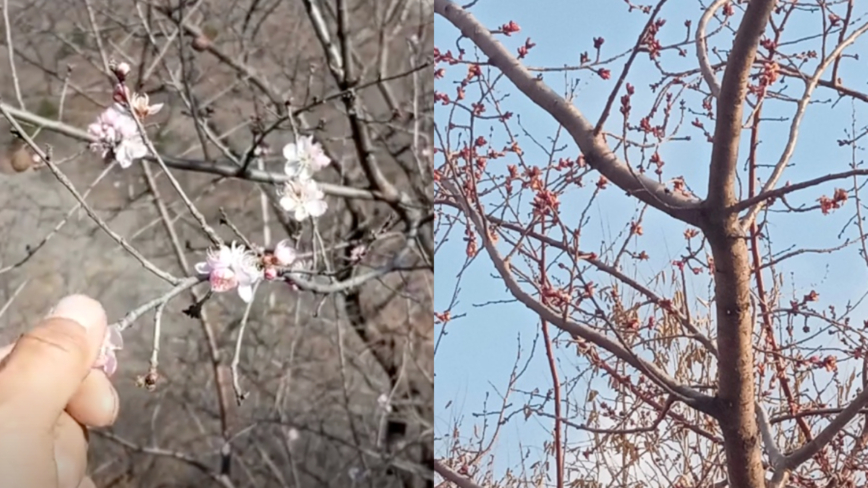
(270, 273)
(201, 43)
(120, 70)
(121, 94)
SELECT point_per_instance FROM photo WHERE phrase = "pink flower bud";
(121, 93)
(270, 274)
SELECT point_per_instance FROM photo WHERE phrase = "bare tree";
(325, 377)
(720, 363)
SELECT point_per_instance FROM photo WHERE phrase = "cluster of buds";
(837, 201)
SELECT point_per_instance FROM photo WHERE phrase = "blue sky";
(476, 357)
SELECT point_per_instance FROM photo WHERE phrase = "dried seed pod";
(17, 158)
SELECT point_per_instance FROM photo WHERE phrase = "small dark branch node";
(194, 311)
(148, 381)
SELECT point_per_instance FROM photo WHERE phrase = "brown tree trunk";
(736, 394)
(735, 375)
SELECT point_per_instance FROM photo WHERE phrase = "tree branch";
(453, 477)
(730, 103)
(597, 153)
(198, 165)
(799, 456)
(775, 456)
(689, 396)
(810, 85)
(702, 48)
(772, 194)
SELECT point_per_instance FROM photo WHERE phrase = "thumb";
(48, 364)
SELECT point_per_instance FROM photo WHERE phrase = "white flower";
(292, 434)
(284, 253)
(303, 199)
(384, 403)
(304, 158)
(357, 474)
(358, 253)
(141, 106)
(129, 150)
(283, 256)
(261, 150)
(231, 267)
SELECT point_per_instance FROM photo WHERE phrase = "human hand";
(50, 393)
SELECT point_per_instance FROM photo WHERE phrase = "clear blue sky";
(477, 355)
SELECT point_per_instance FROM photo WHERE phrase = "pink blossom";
(117, 136)
(106, 360)
(231, 267)
(222, 279)
(384, 402)
(270, 273)
(261, 150)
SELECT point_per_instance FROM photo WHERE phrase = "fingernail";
(81, 309)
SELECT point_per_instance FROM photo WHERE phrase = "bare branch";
(689, 396)
(453, 477)
(597, 153)
(796, 122)
(702, 48)
(799, 456)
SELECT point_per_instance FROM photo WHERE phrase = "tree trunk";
(735, 324)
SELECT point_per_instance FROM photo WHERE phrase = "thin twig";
(240, 394)
(10, 47)
(13, 296)
(45, 158)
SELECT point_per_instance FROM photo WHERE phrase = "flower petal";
(202, 268)
(114, 338)
(292, 168)
(110, 366)
(246, 293)
(290, 152)
(316, 208)
(288, 204)
(124, 161)
(284, 253)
